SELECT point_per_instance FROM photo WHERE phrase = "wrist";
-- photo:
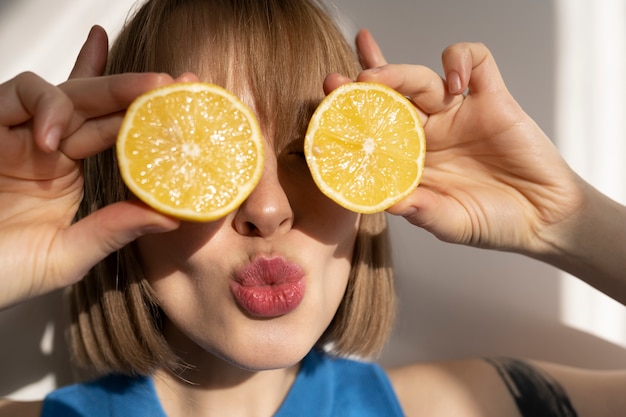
(589, 242)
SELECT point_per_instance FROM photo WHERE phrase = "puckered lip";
(264, 271)
(269, 287)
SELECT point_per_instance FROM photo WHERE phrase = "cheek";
(340, 230)
(162, 254)
(318, 216)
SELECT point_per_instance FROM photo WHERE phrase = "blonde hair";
(281, 50)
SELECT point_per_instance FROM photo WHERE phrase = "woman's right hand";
(45, 132)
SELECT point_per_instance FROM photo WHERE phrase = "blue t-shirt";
(324, 387)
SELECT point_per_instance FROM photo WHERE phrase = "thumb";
(333, 81)
(92, 57)
(106, 231)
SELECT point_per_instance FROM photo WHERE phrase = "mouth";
(269, 287)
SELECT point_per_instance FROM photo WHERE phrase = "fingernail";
(368, 74)
(165, 225)
(454, 82)
(409, 212)
(398, 210)
(52, 138)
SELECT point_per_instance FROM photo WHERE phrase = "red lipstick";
(269, 287)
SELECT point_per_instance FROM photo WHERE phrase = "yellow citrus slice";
(190, 150)
(365, 147)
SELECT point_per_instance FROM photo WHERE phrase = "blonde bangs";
(276, 51)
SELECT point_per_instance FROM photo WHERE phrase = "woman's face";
(258, 287)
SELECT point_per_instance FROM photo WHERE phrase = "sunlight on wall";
(591, 132)
(48, 382)
(54, 32)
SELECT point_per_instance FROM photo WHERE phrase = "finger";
(100, 102)
(416, 208)
(92, 57)
(93, 136)
(471, 65)
(332, 81)
(100, 133)
(424, 208)
(187, 77)
(28, 96)
(107, 230)
(99, 96)
(368, 50)
(423, 86)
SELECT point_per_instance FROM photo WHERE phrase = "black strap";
(536, 393)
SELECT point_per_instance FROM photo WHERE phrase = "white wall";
(455, 301)
(458, 301)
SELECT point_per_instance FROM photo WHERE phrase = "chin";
(265, 355)
(252, 344)
(265, 363)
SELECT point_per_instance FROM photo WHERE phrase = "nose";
(267, 211)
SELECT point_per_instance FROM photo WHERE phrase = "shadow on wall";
(33, 345)
(458, 302)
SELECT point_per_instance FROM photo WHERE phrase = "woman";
(158, 315)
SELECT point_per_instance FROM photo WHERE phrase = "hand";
(492, 177)
(45, 132)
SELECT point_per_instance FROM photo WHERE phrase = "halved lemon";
(365, 147)
(190, 150)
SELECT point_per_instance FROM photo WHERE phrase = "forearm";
(592, 244)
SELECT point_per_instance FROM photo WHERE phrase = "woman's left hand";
(492, 178)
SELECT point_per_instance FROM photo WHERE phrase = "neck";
(223, 389)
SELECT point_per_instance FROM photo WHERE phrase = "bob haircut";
(280, 51)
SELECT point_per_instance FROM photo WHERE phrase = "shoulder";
(503, 387)
(343, 369)
(361, 382)
(359, 377)
(10, 408)
(109, 395)
(76, 398)
(342, 387)
(471, 388)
